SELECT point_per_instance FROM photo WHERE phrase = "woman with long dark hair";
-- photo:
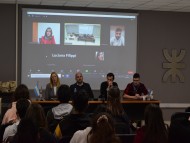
(36, 113)
(155, 130)
(114, 105)
(115, 108)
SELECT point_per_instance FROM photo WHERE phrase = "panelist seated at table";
(136, 89)
(106, 85)
(80, 85)
(52, 86)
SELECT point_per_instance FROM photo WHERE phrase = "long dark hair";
(27, 131)
(114, 104)
(155, 128)
(36, 113)
(102, 130)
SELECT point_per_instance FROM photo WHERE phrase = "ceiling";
(156, 5)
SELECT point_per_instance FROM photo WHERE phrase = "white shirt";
(117, 42)
(10, 130)
(80, 136)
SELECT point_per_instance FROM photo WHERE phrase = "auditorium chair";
(178, 115)
(126, 138)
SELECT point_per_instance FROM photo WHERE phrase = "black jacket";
(75, 88)
(103, 89)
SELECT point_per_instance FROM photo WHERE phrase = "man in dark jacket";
(81, 85)
(106, 85)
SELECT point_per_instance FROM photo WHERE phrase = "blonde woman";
(52, 86)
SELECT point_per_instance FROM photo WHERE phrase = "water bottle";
(149, 92)
(151, 95)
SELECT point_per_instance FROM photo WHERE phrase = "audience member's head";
(36, 113)
(80, 101)
(27, 132)
(21, 107)
(153, 113)
(114, 105)
(114, 93)
(64, 93)
(155, 128)
(102, 129)
(179, 130)
(21, 92)
(187, 109)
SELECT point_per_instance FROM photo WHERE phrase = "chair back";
(126, 138)
(122, 128)
(65, 139)
(178, 115)
(179, 129)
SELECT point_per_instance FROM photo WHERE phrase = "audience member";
(115, 108)
(36, 113)
(27, 132)
(179, 130)
(57, 113)
(187, 109)
(52, 86)
(20, 92)
(102, 131)
(77, 119)
(154, 130)
(21, 107)
(136, 89)
(106, 85)
(48, 38)
(80, 85)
